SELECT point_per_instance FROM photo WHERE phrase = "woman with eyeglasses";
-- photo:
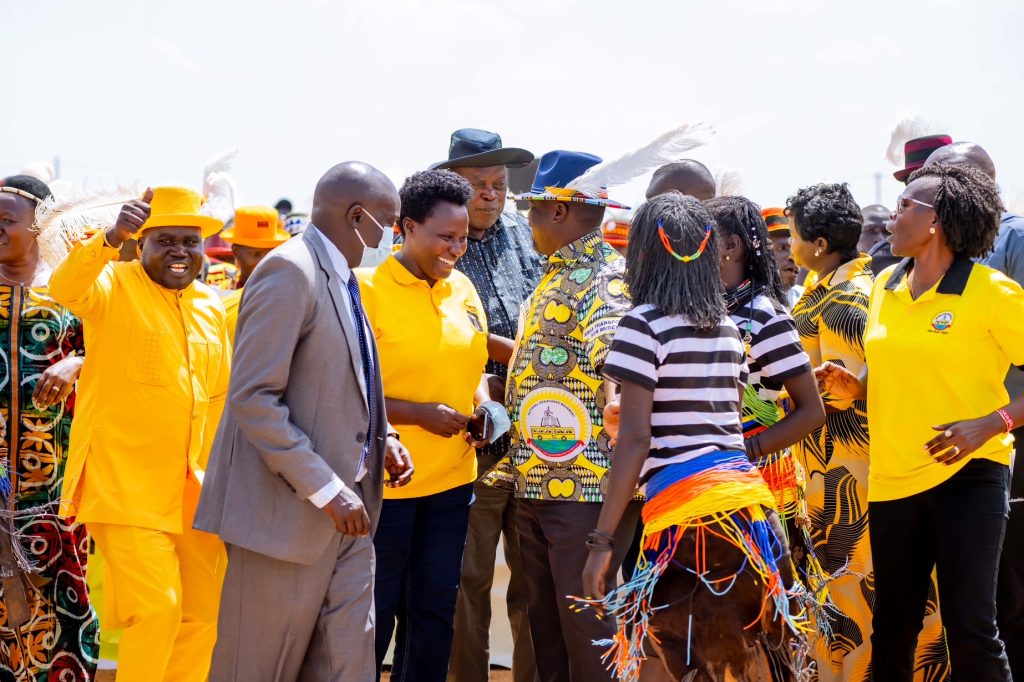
(831, 318)
(941, 443)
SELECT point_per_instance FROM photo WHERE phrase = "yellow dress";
(830, 318)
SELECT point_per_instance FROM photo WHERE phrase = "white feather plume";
(666, 148)
(66, 219)
(908, 128)
(1013, 199)
(728, 183)
(219, 186)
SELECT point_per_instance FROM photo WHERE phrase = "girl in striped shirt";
(776, 362)
(710, 521)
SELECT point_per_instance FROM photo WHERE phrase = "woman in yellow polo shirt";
(941, 335)
(831, 317)
(431, 335)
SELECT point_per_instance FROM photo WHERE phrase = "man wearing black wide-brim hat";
(504, 267)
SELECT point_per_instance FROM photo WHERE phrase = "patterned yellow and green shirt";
(555, 393)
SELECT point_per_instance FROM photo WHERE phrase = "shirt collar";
(491, 231)
(400, 274)
(953, 282)
(586, 246)
(338, 261)
(857, 267)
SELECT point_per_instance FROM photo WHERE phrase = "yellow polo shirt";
(157, 364)
(432, 343)
(934, 360)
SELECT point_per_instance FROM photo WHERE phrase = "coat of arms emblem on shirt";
(555, 424)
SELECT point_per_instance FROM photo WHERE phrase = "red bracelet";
(1005, 416)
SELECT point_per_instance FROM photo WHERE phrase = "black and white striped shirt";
(696, 377)
(775, 350)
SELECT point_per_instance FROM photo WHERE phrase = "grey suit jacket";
(296, 414)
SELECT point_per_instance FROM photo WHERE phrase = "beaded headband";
(21, 193)
(685, 259)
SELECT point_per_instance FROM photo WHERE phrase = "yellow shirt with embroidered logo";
(432, 343)
(157, 364)
(934, 360)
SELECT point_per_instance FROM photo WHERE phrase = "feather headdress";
(908, 128)
(666, 148)
(63, 221)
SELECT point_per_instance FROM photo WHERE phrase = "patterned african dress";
(560, 450)
(830, 318)
(60, 640)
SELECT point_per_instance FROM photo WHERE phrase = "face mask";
(375, 255)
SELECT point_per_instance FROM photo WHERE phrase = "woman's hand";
(599, 561)
(960, 439)
(838, 382)
(479, 423)
(398, 463)
(441, 420)
(57, 382)
(612, 417)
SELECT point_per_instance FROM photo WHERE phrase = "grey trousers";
(491, 518)
(552, 537)
(281, 622)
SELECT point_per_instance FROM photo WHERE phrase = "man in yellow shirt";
(255, 233)
(132, 473)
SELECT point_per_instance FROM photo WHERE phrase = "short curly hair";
(967, 205)
(26, 183)
(830, 212)
(424, 190)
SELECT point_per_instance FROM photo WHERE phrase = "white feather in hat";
(909, 127)
(219, 186)
(666, 148)
(728, 183)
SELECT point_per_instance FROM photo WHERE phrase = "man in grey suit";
(294, 484)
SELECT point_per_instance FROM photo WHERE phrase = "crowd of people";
(297, 440)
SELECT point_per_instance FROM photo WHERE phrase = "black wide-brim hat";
(475, 148)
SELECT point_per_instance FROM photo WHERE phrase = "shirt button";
(360, 437)
(195, 414)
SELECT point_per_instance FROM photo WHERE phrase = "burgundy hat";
(917, 151)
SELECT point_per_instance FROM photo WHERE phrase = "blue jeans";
(419, 544)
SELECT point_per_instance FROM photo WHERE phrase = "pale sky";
(799, 92)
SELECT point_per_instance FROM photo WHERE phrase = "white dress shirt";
(321, 497)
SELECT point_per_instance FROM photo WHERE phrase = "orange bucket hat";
(256, 226)
(179, 207)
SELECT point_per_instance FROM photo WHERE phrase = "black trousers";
(1010, 597)
(957, 528)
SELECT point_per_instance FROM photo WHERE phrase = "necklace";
(17, 282)
(734, 299)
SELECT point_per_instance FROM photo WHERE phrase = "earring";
(931, 230)
(727, 258)
(817, 252)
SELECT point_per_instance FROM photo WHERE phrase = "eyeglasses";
(903, 201)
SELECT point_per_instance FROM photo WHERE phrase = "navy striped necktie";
(364, 351)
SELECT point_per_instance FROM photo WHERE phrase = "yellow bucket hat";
(179, 207)
(256, 226)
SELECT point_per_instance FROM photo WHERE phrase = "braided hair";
(967, 205)
(692, 289)
(741, 217)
